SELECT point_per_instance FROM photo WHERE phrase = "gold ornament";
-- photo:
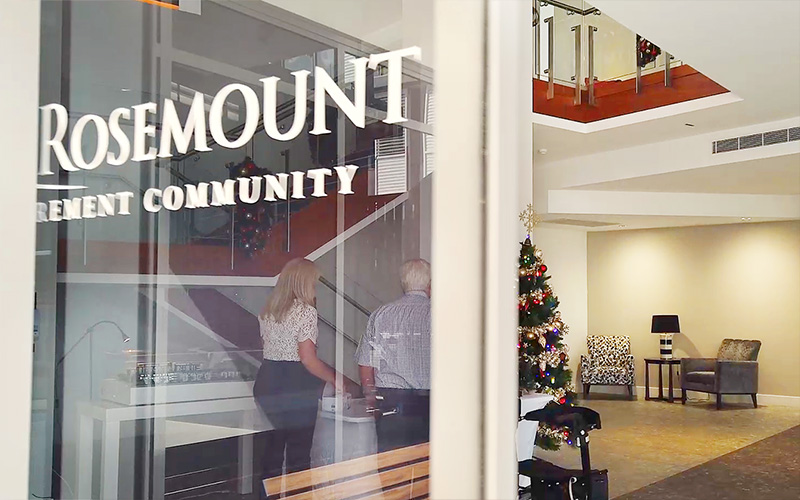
(529, 218)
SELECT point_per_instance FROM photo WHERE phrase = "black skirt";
(287, 394)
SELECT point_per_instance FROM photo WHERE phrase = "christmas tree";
(543, 356)
(250, 221)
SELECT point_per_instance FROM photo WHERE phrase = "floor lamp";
(665, 325)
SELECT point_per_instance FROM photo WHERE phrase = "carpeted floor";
(768, 469)
(644, 442)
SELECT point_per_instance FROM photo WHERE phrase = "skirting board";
(763, 399)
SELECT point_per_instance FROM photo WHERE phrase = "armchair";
(610, 362)
(733, 371)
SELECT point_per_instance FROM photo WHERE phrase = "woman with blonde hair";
(291, 377)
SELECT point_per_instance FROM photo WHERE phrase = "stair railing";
(345, 296)
(338, 331)
(576, 80)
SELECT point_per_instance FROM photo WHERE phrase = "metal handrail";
(342, 333)
(570, 8)
(346, 297)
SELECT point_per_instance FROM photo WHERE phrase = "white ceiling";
(751, 48)
(777, 175)
(629, 222)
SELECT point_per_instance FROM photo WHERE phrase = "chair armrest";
(698, 365)
(737, 376)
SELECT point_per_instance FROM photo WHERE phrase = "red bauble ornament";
(562, 401)
(543, 268)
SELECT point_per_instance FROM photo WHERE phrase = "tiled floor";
(642, 442)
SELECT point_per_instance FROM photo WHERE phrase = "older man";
(394, 358)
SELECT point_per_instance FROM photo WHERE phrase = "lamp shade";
(665, 323)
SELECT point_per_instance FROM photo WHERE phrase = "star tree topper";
(529, 218)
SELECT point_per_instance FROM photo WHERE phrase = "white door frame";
(19, 106)
(483, 87)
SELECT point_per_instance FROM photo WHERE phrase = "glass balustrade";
(576, 44)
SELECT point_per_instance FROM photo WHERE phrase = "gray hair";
(415, 275)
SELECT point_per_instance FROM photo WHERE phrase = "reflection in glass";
(171, 413)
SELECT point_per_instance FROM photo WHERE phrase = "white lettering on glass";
(324, 84)
(141, 131)
(119, 136)
(271, 106)
(53, 142)
(141, 146)
(171, 128)
(215, 124)
(76, 142)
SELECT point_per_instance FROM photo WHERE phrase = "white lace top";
(281, 340)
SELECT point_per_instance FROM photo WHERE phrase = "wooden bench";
(400, 474)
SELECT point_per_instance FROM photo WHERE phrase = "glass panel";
(150, 374)
(615, 51)
(564, 47)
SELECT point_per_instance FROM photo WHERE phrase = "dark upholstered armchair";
(610, 362)
(733, 371)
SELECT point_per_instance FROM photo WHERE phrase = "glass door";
(158, 358)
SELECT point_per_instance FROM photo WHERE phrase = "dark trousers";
(296, 443)
(288, 395)
(405, 420)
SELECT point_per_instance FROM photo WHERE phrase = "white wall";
(565, 257)
(729, 281)
(19, 86)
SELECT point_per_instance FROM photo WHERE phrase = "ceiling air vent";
(756, 140)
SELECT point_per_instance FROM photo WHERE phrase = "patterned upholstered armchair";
(610, 362)
(733, 371)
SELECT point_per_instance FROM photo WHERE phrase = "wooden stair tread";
(365, 484)
(353, 477)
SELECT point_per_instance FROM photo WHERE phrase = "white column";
(508, 178)
(19, 89)
(458, 252)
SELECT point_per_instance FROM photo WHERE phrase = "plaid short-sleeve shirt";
(397, 343)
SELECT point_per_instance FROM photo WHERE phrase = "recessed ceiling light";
(622, 225)
(125, 90)
(746, 219)
(689, 124)
(542, 151)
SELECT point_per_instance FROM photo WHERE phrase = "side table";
(659, 362)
